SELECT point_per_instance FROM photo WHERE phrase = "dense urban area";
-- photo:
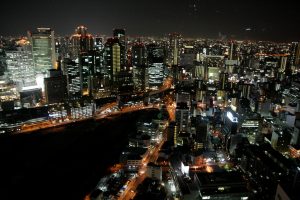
(228, 111)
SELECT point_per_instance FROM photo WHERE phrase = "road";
(99, 114)
(152, 156)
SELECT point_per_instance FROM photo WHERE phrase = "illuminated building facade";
(8, 91)
(294, 57)
(72, 71)
(20, 68)
(156, 66)
(182, 116)
(176, 44)
(140, 71)
(112, 59)
(43, 51)
(120, 35)
(125, 82)
(80, 42)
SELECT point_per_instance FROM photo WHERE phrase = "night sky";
(230, 19)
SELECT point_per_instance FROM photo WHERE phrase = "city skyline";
(194, 18)
(166, 100)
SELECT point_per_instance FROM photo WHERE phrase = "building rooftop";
(221, 183)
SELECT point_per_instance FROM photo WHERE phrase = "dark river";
(66, 162)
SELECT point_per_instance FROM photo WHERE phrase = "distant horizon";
(163, 35)
(241, 20)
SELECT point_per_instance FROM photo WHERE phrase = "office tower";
(174, 48)
(223, 81)
(120, 35)
(99, 44)
(112, 58)
(20, 68)
(294, 59)
(43, 50)
(295, 54)
(80, 42)
(90, 72)
(86, 73)
(139, 67)
(182, 116)
(55, 87)
(156, 66)
(125, 82)
(72, 71)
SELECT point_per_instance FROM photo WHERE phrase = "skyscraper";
(182, 116)
(55, 87)
(20, 68)
(295, 56)
(174, 48)
(89, 69)
(43, 50)
(140, 71)
(156, 65)
(120, 35)
(112, 58)
(80, 42)
(72, 71)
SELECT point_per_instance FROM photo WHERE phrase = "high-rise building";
(72, 71)
(120, 35)
(20, 68)
(112, 58)
(230, 122)
(174, 48)
(43, 50)
(139, 55)
(295, 53)
(80, 42)
(125, 82)
(139, 67)
(156, 66)
(90, 70)
(99, 43)
(182, 116)
(55, 87)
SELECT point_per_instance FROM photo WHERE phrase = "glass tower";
(43, 51)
